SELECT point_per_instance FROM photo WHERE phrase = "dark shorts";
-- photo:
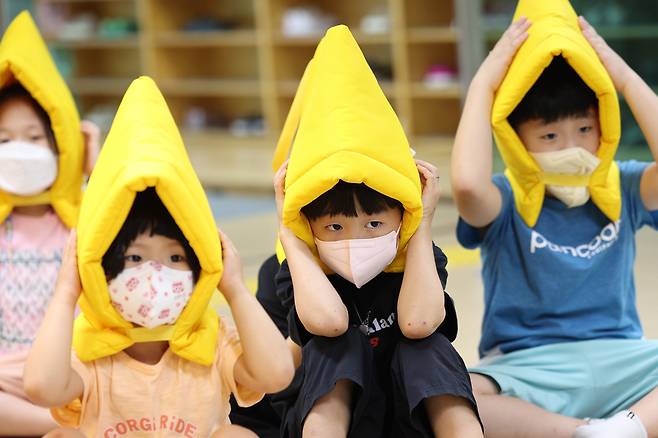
(384, 404)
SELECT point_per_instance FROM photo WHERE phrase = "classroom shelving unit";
(245, 67)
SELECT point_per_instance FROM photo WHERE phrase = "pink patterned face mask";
(151, 294)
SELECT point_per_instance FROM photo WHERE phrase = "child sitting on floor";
(152, 357)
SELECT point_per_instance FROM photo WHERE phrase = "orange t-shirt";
(173, 398)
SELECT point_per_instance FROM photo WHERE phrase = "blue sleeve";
(472, 237)
(631, 175)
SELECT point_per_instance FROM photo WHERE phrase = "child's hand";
(493, 69)
(68, 280)
(429, 178)
(617, 68)
(279, 188)
(231, 282)
(92, 135)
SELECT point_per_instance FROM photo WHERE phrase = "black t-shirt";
(266, 294)
(376, 303)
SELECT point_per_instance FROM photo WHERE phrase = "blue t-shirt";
(569, 278)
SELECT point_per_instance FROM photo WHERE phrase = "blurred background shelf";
(230, 69)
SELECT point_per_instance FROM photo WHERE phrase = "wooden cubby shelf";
(229, 69)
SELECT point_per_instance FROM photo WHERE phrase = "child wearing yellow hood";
(152, 359)
(362, 281)
(561, 338)
(43, 147)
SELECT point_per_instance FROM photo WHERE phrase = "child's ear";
(91, 134)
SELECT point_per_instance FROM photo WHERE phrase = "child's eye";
(177, 258)
(334, 227)
(37, 137)
(585, 129)
(374, 224)
(549, 136)
(134, 258)
(4, 140)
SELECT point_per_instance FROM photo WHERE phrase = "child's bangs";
(341, 199)
(147, 215)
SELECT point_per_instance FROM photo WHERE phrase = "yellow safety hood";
(341, 127)
(25, 58)
(554, 31)
(144, 149)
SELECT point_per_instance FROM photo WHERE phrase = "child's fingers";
(70, 251)
(515, 35)
(227, 243)
(431, 167)
(429, 178)
(280, 175)
(591, 35)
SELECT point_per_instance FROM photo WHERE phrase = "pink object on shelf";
(439, 75)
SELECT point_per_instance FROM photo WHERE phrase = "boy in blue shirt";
(561, 337)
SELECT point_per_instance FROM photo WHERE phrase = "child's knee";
(483, 385)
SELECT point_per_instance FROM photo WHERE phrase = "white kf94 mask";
(571, 161)
(26, 168)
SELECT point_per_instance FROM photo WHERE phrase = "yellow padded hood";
(144, 149)
(554, 31)
(25, 58)
(341, 127)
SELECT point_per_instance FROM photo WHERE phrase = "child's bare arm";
(48, 378)
(266, 364)
(318, 305)
(478, 199)
(421, 303)
(642, 101)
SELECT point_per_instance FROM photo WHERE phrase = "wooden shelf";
(452, 91)
(252, 70)
(210, 87)
(312, 40)
(98, 86)
(131, 42)
(206, 39)
(432, 35)
(89, 1)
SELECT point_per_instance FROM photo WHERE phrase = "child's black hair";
(558, 93)
(17, 91)
(148, 214)
(340, 200)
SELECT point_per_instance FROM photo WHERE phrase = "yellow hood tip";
(144, 149)
(342, 127)
(25, 58)
(555, 31)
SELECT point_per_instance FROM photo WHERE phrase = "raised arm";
(640, 98)
(478, 200)
(317, 302)
(421, 303)
(48, 378)
(266, 364)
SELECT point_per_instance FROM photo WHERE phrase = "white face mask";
(571, 161)
(359, 260)
(25, 168)
(151, 294)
